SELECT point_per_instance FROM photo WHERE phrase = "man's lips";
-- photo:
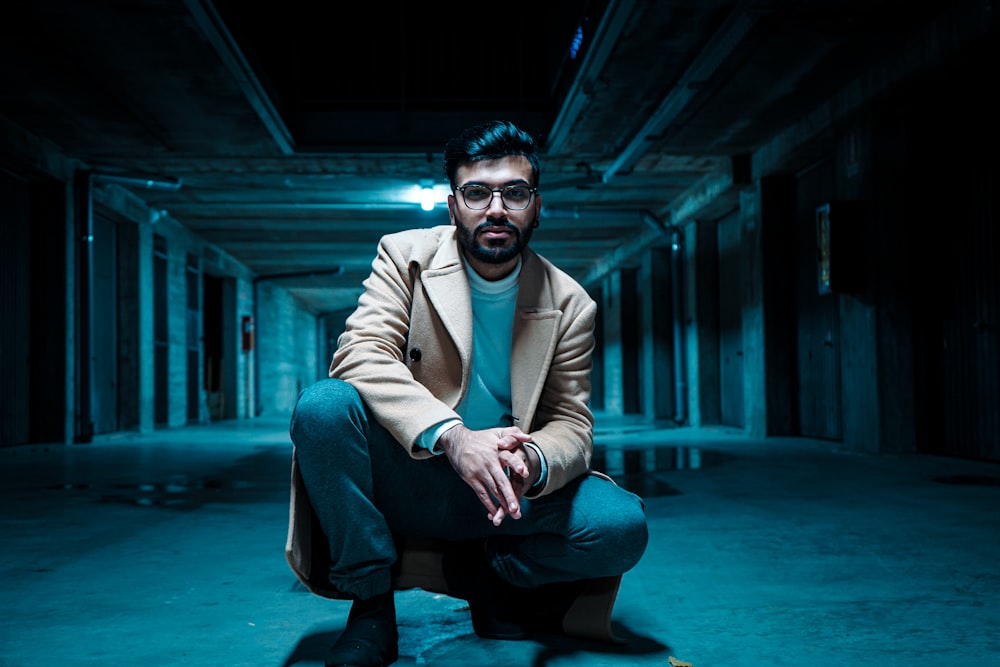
(495, 232)
(500, 231)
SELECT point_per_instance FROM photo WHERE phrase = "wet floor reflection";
(969, 480)
(177, 493)
(639, 469)
(256, 477)
(635, 468)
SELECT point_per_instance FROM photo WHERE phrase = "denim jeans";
(365, 487)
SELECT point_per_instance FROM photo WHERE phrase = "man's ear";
(451, 209)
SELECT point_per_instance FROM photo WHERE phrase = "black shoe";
(546, 606)
(492, 601)
(371, 638)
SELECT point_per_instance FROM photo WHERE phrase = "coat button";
(415, 354)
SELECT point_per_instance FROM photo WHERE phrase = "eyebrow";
(516, 181)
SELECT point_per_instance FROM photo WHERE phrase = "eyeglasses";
(514, 197)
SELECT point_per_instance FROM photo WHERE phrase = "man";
(457, 412)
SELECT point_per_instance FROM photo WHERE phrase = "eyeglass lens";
(515, 197)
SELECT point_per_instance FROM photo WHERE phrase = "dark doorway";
(214, 382)
(104, 366)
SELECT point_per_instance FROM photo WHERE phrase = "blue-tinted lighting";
(574, 48)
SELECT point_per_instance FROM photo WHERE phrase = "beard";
(490, 253)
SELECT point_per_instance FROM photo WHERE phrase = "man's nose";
(496, 204)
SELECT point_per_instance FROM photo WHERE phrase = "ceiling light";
(427, 199)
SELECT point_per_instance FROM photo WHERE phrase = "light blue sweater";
(487, 402)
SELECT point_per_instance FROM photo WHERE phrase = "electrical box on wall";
(839, 247)
(247, 333)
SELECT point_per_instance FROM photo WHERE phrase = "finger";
(505, 493)
(497, 517)
(512, 439)
(518, 484)
(515, 462)
(486, 499)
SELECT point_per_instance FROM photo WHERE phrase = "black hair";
(489, 141)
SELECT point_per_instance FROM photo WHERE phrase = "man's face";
(492, 238)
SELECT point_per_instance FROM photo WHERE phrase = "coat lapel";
(536, 324)
(447, 289)
(534, 340)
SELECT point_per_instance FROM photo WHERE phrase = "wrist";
(536, 480)
(450, 437)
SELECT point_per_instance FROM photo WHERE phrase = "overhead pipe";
(167, 184)
(647, 216)
(84, 182)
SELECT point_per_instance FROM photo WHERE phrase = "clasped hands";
(482, 459)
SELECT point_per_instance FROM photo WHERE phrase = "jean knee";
(321, 408)
(629, 531)
(635, 535)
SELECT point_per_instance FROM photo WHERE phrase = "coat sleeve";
(563, 428)
(370, 352)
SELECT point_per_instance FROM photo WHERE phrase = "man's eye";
(516, 192)
(477, 193)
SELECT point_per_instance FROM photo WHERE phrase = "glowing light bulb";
(427, 199)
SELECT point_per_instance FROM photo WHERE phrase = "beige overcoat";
(407, 350)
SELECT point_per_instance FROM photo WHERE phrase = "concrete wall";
(288, 349)
(243, 306)
(286, 344)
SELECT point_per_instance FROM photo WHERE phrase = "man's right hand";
(475, 457)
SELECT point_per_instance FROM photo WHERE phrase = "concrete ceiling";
(301, 132)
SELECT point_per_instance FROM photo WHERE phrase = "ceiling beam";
(718, 48)
(604, 40)
(215, 31)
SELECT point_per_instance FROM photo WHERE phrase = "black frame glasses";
(511, 204)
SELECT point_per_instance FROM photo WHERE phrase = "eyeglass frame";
(493, 192)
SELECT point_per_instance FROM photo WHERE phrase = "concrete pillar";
(245, 396)
(701, 330)
(614, 399)
(631, 338)
(754, 369)
(231, 352)
(656, 391)
(144, 317)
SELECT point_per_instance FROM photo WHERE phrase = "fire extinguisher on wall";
(246, 329)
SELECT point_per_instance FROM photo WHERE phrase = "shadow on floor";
(312, 647)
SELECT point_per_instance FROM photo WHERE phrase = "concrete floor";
(167, 549)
